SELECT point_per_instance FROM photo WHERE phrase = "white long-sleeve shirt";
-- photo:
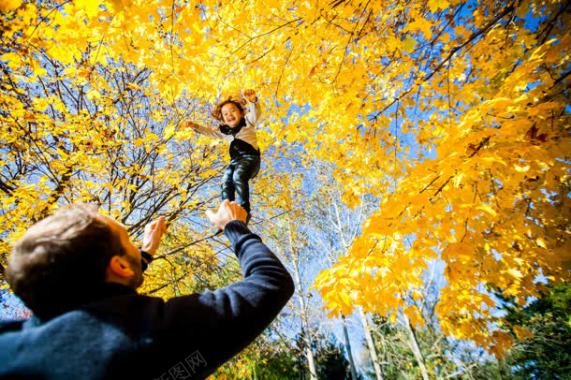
(246, 134)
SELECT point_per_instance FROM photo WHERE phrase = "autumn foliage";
(453, 113)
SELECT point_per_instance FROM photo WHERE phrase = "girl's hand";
(191, 124)
(250, 95)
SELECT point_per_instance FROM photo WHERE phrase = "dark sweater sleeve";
(224, 321)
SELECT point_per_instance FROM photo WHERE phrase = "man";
(77, 271)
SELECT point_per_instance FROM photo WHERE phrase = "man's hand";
(153, 233)
(250, 95)
(227, 212)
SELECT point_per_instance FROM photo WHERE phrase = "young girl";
(239, 129)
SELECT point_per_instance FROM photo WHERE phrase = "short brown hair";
(217, 112)
(62, 260)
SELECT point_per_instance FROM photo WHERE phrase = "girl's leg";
(246, 168)
(228, 183)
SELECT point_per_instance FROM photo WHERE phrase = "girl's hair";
(217, 112)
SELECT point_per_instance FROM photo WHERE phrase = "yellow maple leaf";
(9, 5)
(409, 44)
(436, 5)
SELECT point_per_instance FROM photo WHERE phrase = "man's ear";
(119, 266)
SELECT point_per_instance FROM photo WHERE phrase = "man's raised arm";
(223, 322)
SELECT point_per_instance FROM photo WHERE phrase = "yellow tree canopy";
(453, 112)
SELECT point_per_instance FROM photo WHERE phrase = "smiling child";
(239, 129)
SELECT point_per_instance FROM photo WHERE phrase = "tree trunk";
(348, 347)
(305, 331)
(416, 349)
(371, 345)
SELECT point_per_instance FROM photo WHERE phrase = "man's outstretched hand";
(153, 233)
(227, 212)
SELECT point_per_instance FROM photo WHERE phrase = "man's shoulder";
(127, 314)
(11, 325)
(125, 304)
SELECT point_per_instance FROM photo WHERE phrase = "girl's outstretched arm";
(210, 132)
(252, 106)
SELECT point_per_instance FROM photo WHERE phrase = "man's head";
(230, 112)
(63, 260)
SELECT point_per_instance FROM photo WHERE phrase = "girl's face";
(231, 114)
